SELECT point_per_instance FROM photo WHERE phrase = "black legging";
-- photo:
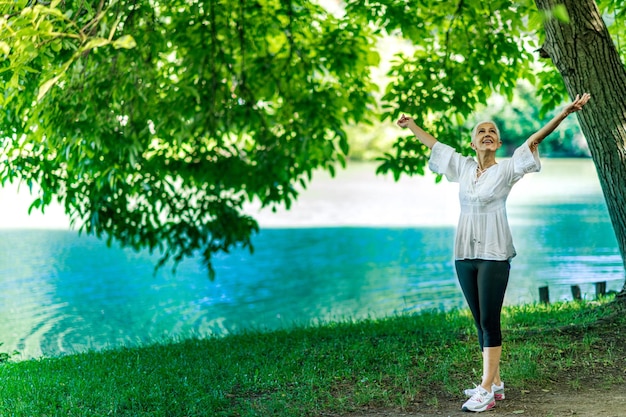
(483, 284)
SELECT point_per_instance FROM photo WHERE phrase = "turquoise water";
(341, 253)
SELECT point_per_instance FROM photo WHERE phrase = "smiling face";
(486, 137)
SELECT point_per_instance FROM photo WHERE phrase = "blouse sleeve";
(445, 160)
(525, 161)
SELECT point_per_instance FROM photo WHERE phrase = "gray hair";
(475, 130)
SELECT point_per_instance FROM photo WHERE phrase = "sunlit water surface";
(355, 246)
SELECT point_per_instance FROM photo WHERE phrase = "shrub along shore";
(405, 362)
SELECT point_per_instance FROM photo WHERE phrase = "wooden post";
(576, 292)
(544, 295)
(600, 289)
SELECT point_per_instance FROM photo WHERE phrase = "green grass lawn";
(333, 368)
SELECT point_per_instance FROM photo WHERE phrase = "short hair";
(475, 130)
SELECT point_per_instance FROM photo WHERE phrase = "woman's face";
(486, 138)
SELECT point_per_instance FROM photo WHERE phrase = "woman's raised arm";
(423, 136)
(536, 138)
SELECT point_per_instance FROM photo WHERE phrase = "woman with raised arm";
(483, 246)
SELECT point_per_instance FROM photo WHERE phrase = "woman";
(483, 246)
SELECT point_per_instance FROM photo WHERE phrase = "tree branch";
(457, 13)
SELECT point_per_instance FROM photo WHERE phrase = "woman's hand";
(424, 137)
(578, 103)
(404, 121)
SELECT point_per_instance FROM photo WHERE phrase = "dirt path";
(586, 402)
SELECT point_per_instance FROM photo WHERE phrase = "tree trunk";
(586, 57)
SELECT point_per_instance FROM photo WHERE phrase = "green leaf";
(560, 13)
(56, 45)
(47, 85)
(373, 58)
(5, 48)
(95, 43)
(125, 42)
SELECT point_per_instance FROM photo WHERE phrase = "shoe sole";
(489, 406)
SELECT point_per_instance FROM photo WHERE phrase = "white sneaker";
(480, 401)
(498, 391)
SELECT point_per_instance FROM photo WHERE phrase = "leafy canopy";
(154, 122)
(456, 55)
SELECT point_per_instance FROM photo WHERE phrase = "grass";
(335, 368)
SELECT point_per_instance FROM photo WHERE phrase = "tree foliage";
(463, 53)
(154, 122)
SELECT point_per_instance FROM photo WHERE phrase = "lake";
(354, 246)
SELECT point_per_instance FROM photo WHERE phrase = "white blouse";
(483, 231)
